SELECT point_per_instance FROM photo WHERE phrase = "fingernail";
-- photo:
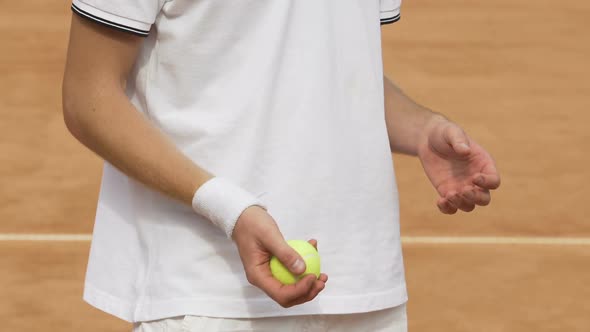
(479, 180)
(298, 266)
(464, 146)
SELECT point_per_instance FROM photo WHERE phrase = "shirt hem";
(108, 303)
(232, 308)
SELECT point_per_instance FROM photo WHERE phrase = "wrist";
(251, 215)
(430, 125)
(222, 202)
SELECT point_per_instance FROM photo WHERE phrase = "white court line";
(560, 241)
(46, 237)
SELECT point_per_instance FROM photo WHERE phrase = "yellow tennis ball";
(310, 257)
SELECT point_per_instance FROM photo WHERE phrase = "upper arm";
(98, 56)
(105, 37)
(98, 62)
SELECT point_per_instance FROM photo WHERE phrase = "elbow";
(70, 110)
(68, 116)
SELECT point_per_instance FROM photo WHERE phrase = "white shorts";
(387, 320)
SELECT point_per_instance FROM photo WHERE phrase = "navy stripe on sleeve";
(390, 19)
(109, 23)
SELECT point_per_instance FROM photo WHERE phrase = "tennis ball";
(310, 257)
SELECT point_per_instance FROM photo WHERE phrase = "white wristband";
(222, 202)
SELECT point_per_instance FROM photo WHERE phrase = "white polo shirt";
(285, 99)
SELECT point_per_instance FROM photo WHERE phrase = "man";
(230, 126)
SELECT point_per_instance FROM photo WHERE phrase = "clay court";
(514, 73)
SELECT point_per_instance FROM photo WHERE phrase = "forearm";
(117, 132)
(406, 120)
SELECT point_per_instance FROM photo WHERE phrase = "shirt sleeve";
(133, 16)
(390, 11)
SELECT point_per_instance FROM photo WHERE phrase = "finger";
(285, 295)
(308, 289)
(458, 202)
(482, 197)
(317, 289)
(468, 195)
(314, 243)
(457, 139)
(487, 181)
(286, 255)
(468, 200)
(318, 286)
(476, 195)
(489, 178)
(445, 206)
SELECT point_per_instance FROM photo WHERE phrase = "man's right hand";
(258, 238)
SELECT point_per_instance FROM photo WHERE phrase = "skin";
(99, 61)
(461, 171)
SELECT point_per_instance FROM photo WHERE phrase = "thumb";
(288, 256)
(457, 139)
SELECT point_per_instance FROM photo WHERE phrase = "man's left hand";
(462, 172)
